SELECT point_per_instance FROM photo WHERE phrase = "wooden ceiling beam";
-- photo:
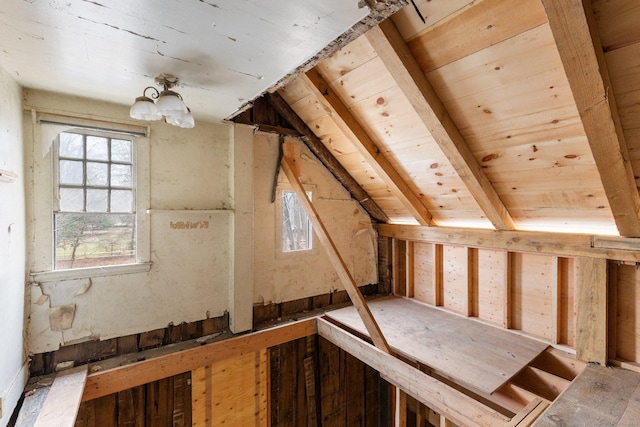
(353, 130)
(405, 70)
(326, 158)
(625, 249)
(573, 26)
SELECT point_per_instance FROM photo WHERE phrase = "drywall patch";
(61, 317)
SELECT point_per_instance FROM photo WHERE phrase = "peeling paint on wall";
(61, 318)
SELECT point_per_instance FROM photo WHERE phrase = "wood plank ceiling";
(505, 114)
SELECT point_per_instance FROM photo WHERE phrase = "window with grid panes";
(94, 220)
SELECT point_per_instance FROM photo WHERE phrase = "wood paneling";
(485, 24)
(456, 279)
(575, 30)
(490, 288)
(531, 294)
(347, 390)
(424, 270)
(232, 392)
(405, 71)
(166, 402)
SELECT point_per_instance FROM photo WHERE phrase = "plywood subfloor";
(599, 396)
(473, 354)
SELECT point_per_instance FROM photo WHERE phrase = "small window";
(296, 226)
(94, 217)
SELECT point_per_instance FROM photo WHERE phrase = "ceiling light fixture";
(169, 104)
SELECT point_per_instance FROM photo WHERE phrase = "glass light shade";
(182, 120)
(144, 109)
(170, 104)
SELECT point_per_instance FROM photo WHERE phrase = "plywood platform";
(599, 396)
(478, 356)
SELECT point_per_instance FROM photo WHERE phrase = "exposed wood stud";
(556, 292)
(506, 293)
(575, 31)
(591, 320)
(398, 59)
(401, 408)
(612, 317)
(469, 267)
(399, 252)
(438, 274)
(350, 126)
(289, 167)
(327, 159)
(410, 270)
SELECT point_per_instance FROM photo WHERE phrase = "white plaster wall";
(12, 249)
(285, 277)
(189, 169)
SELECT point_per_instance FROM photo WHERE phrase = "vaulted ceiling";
(505, 114)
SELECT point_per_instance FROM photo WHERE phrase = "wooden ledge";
(61, 405)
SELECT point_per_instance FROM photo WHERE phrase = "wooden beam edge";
(453, 404)
(60, 408)
(562, 244)
(103, 383)
(575, 32)
(289, 167)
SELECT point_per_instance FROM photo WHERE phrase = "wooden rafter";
(402, 65)
(350, 126)
(290, 168)
(574, 30)
(326, 158)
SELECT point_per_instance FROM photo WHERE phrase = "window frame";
(280, 253)
(100, 134)
(85, 186)
(46, 205)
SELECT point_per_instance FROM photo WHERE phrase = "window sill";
(83, 273)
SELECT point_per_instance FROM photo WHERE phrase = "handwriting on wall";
(186, 225)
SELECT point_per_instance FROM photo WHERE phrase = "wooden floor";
(475, 355)
(599, 396)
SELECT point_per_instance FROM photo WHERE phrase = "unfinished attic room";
(407, 213)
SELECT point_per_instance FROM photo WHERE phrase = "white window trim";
(280, 253)
(87, 272)
(42, 250)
